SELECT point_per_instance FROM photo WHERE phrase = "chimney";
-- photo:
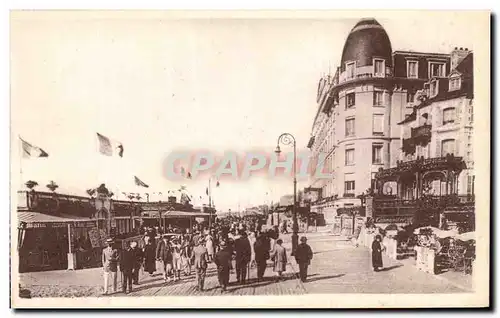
(457, 55)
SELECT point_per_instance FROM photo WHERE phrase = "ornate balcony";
(422, 135)
(422, 165)
(409, 146)
(422, 131)
(400, 210)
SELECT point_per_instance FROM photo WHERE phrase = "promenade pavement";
(337, 267)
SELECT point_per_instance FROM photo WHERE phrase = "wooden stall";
(48, 242)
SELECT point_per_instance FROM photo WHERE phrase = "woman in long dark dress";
(149, 257)
(377, 253)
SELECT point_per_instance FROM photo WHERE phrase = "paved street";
(337, 267)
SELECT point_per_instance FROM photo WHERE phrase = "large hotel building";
(366, 108)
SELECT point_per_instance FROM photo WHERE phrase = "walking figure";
(261, 248)
(303, 256)
(279, 258)
(176, 259)
(243, 255)
(110, 258)
(210, 247)
(377, 249)
(223, 260)
(186, 253)
(164, 254)
(127, 263)
(138, 258)
(149, 256)
(200, 260)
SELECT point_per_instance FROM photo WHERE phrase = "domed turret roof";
(367, 40)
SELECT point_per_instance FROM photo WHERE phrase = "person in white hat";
(200, 260)
(110, 259)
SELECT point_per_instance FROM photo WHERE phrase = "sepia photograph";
(196, 159)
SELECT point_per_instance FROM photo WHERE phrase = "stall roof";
(176, 214)
(31, 217)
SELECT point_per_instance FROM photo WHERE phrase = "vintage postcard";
(168, 159)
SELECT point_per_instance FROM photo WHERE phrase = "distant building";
(286, 200)
(359, 110)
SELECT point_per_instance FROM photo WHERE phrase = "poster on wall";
(95, 237)
(337, 225)
(103, 237)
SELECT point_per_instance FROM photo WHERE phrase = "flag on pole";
(140, 183)
(109, 147)
(189, 175)
(217, 184)
(31, 151)
(206, 191)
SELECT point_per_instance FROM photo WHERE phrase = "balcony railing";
(387, 207)
(421, 165)
(364, 73)
(409, 146)
(446, 200)
(422, 131)
(421, 135)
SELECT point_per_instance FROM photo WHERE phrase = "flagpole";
(21, 169)
(20, 162)
(210, 203)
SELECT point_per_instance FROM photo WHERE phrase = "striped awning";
(174, 214)
(36, 218)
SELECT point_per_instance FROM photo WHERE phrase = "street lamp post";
(210, 201)
(289, 139)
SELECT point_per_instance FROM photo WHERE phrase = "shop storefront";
(49, 242)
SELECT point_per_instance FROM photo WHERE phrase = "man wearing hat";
(303, 256)
(200, 260)
(138, 259)
(164, 254)
(127, 263)
(243, 256)
(110, 258)
(223, 260)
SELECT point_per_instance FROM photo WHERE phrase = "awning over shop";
(36, 219)
(174, 214)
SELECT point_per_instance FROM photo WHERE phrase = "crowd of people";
(231, 246)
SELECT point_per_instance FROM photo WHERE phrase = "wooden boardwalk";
(155, 286)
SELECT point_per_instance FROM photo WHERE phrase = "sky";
(158, 85)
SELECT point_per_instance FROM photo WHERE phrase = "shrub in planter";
(24, 293)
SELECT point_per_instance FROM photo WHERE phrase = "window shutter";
(438, 147)
(458, 114)
(457, 148)
(439, 117)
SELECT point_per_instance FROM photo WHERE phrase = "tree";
(52, 186)
(90, 192)
(102, 190)
(31, 184)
